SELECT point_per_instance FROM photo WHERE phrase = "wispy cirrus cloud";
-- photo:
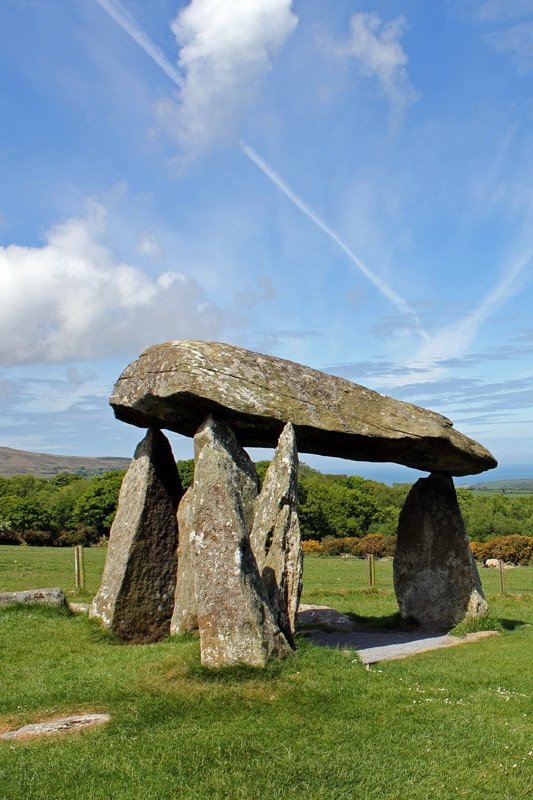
(454, 340)
(517, 41)
(511, 28)
(375, 47)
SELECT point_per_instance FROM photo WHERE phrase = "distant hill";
(511, 486)
(45, 465)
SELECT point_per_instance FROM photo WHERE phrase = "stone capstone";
(235, 621)
(275, 536)
(177, 384)
(136, 596)
(435, 575)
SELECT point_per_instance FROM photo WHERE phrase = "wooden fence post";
(502, 582)
(79, 568)
(371, 570)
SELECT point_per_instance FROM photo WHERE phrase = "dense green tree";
(335, 505)
(186, 471)
(68, 508)
(25, 513)
(96, 506)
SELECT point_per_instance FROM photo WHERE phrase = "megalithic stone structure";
(275, 536)
(136, 596)
(236, 623)
(435, 575)
(239, 570)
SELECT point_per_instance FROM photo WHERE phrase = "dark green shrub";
(38, 537)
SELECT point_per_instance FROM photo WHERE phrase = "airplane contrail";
(398, 301)
(122, 17)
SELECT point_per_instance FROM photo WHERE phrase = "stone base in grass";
(49, 597)
(61, 725)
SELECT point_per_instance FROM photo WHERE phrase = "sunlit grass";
(451, 723)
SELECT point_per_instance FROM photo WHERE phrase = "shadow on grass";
(511, 624)
(389, 622)
(239, 673)
(37, 608)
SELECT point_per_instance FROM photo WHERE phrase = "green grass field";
(451, 723)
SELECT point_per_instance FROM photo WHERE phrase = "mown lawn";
(446, 724)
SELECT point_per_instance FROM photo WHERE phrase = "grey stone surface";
(176, 384)
(49, 597)
(185, 616)
(61, 725)
(323, 618)
(435, 575)
(235, 621)
(275, 536)
(136, 596)
(375, 646)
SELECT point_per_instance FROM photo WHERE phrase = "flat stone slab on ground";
(61, 725)
(49, 597)
(375, 646)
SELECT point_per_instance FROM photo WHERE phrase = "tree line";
(72, 509)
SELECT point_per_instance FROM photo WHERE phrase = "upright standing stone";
(184, 616)
(275, 536)
(435, 575)
(234, 618)
(136, 596)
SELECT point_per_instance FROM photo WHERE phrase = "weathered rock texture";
(235, 621)
(62, 725)
(435, 575)
(177, 384)
(184, 616)
(275, 536)
(136, 595)
(48, 597)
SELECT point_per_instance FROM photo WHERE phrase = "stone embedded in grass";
(275, 536)
(62, 725)
(324, 618)
(235, 620)
(48, 597)
(435, 575)
(136, 596)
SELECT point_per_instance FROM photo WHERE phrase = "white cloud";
(375, 45)
(72, 299)
(225, 49)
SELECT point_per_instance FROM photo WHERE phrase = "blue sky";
(342, 183)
